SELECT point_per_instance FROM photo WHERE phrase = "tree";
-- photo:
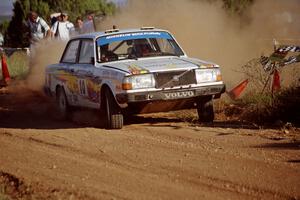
(233, 7)
(17, 32)
(237, 6)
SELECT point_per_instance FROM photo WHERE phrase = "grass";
(2, 194)
(4, 197)
(267, 108)
(18, 65)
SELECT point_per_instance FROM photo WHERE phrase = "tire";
(63, 108)
(205, 109)
(113, 116)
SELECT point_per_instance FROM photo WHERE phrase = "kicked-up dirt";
(157, 156)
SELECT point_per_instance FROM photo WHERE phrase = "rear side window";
(86, 55)
(70, 54)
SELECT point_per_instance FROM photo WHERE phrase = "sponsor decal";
(204, 66)
(177, 95)
(134, 69)
(132, 36)
(88, 88)
(67, 78)
(93, 90)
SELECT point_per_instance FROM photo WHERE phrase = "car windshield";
(136, 45)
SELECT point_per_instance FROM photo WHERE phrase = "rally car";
(129, 72)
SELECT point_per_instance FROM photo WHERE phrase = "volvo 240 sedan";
(129, 72)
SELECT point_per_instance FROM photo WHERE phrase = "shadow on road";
(230, 124)
(284, 145)
(29, 109)
(293, 161)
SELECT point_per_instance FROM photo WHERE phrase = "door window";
(70, 54)
(86, 52)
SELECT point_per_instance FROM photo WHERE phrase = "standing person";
(39, 29)
(62, 29)
(89, 25)
(55, 17)
(79, 26)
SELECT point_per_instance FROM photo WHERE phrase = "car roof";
(95, 35)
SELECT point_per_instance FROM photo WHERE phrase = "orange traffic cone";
(236, 91)
(5, 72)
(276, 81)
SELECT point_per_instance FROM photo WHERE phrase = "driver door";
(88, 84)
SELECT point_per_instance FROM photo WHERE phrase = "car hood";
(160, 64)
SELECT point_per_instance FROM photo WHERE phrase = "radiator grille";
(174, 78)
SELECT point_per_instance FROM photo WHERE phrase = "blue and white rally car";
(129, 72)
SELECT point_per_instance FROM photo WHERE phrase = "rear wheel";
(205, 110)
(113, 115)
(62, 104)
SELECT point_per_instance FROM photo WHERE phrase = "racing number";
(82, 89)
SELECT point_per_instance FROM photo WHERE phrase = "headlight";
(208, 75)
(138, 82)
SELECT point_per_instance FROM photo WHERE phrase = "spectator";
(39, 29)
(55, 17)
(79, 25)
(62, 29)
(88, 25)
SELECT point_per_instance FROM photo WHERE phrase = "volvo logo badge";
(175, 78)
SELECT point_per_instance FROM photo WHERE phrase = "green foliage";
(233, 7)
(257, 98)
(77, 8)
(3, 196)
(286, 105)
(4, 26)
(269, 108)
(237, 6)
(16, 32)
(107, 8)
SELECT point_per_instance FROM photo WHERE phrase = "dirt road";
(154, 158)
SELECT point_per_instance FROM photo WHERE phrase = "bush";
(267, 108)
(286, 105)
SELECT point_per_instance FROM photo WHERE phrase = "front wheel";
(205, 110)
(113, 115)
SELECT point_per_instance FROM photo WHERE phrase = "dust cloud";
(206, 31)
(29, 98)
(202, 28)
(44, 53)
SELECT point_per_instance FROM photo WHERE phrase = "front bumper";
(172, 94)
